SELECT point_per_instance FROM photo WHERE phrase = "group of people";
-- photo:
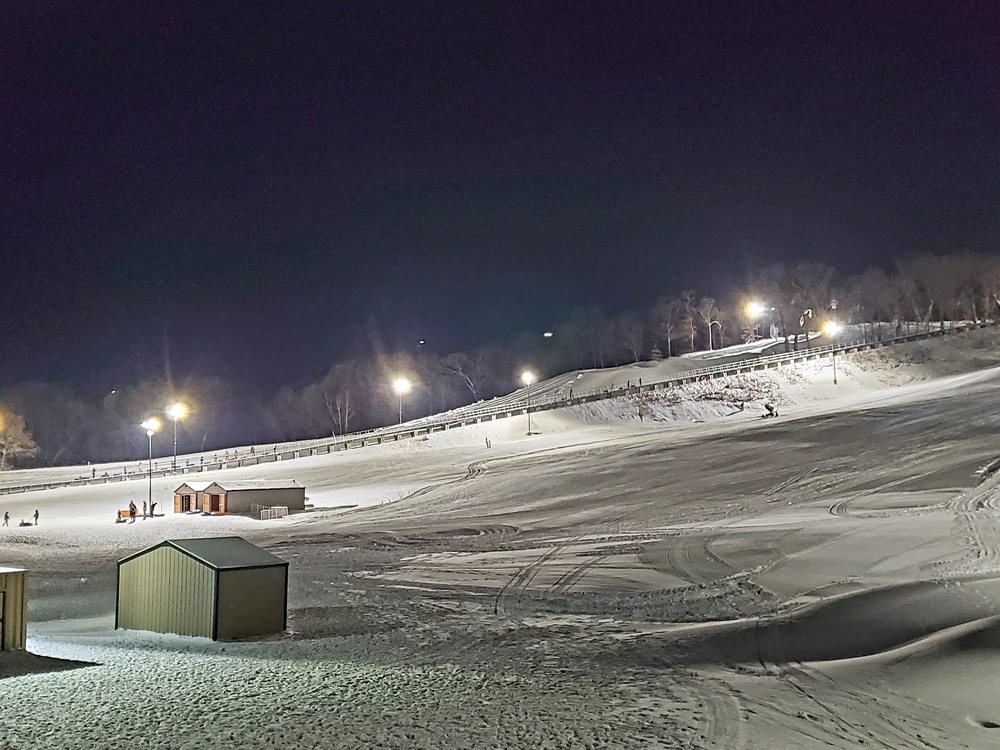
(148, 509)
(6, 519)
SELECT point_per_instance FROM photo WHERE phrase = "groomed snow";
(672, 571)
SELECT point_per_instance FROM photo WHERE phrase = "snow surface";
(666, 571)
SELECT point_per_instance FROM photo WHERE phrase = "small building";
(187, 497)
(13, 609)
(223, 588)
(239, 497)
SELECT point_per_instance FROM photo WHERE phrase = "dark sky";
(262, 188)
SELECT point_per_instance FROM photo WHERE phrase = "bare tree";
(630, 335)
(811, 292)
(687, 298)
(869, 296)
(472, 369)
(931, 282)
(15, 440)
(774, 288)
(666, 317)
(340, 408)
(989, 279)
(970, 289)
(708, 311)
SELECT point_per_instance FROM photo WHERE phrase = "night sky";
(255, 190)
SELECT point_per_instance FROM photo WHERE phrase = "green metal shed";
(223, 588)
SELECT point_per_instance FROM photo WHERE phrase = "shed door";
(182, 503)
(214, 500)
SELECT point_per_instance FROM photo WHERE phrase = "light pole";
(151, 426)
(401, 386)
(528, 377)
(175, 412)
(832, 329)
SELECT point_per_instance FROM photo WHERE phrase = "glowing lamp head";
(401, 386)
(831, 328)
(527, 377)
(755, 309)
(151, 426)
(177, 411)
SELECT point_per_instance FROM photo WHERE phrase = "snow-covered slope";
(691, 576)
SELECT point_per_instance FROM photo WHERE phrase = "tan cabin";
(223, 588)
(187, 497)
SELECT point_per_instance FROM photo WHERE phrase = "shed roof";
(258, 484)
(193, 486)
(219, 552)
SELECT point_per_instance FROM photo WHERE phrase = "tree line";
(52, 424)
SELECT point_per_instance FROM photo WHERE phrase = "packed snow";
(664, 570)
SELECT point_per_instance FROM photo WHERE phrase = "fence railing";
(267, 513)
(542, 398)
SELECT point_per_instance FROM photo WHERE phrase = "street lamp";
(151, 426)
(175, 412)
(756, 310)
(528, 377)
(832, 329)
(401, 386)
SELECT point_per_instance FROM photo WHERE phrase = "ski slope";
(697, 577)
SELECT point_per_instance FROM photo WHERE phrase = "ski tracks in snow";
(830, 720)
(977, 521)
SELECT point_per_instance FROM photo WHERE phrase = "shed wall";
(166, 591)
(14, 586)
(252, 601)
(239, 501)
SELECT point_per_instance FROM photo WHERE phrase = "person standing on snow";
(36, 516)
(6, 518)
